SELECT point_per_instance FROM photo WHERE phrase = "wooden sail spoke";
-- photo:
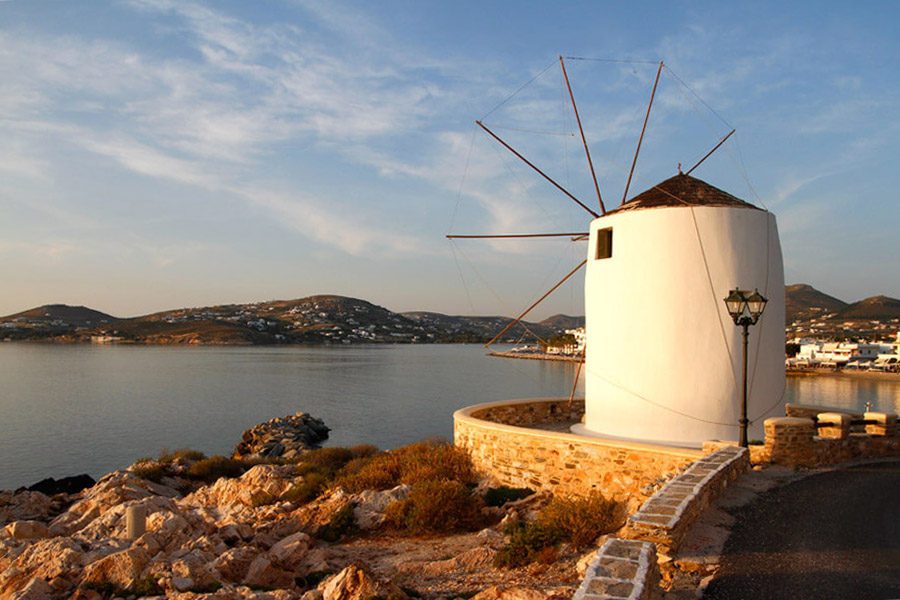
(539, 300)
(578, 236)
(541, 173)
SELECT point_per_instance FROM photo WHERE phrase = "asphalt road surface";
(833, 535)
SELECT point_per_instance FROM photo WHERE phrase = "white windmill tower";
(664, 359)
(663, 363)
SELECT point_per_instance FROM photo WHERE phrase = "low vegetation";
(211, 469)
(501, 495)
(442, 499)
(576, 521)
(437, 506)
(424, 461)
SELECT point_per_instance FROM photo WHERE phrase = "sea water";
(70, 409)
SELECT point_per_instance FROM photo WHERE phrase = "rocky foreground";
(241, 537)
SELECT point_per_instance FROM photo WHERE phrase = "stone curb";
(667, 516)
(621, 570)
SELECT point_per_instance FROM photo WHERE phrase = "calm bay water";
(69, 409)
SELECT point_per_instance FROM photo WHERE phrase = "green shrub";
(436, 506)
(422, 461)
(341, 523)
(211, 469)
(501, 495)
(313, 484)
(150, 470)
(146, 586)
(526, 542)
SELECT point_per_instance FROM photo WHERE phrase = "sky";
(159, 154)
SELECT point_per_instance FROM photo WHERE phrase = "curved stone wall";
(506, 440)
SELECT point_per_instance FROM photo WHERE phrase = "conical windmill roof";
(682, 190)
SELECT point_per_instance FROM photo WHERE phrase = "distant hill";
(877, 307)
(331, 319)
(563, 322)
(321, 319)
(802, 301)
(78, 316)
(811, 313)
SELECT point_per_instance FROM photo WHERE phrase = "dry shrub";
(423, 461)
(313, 484)
(149, 469)
(580, 520)
(180, 453)
(342, 523)
(499, 496)
(577, 521)
(211, 469)
(331, 460)
(436, 506)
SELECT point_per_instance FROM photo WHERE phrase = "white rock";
(355, 583)
(27, 530)
(370, 505)
(510, 593)
(290, 551)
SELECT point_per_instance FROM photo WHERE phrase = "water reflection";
(849, 392)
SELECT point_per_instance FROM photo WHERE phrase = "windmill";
(663, 356)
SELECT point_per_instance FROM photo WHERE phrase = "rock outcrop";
(229, 539)
(283, 437)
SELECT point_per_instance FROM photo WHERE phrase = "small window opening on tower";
(604, 243)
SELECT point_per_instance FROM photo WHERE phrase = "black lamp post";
(745, 309)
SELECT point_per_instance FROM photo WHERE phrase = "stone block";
(886, 424)
(834, 425)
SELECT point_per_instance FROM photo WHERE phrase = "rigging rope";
(463, 180)
(657, 404)
(535, 131)
(462, 277)
(510, 97)
(615, 60)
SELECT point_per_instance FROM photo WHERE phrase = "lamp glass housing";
(756, 304)
(736, 303)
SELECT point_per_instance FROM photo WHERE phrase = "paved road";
(834, 535)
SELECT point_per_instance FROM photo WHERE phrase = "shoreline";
(550, 357)
(871, 375)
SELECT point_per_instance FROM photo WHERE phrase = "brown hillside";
(877, 307)
(803, 301)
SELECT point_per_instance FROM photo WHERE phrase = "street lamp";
(745, 309)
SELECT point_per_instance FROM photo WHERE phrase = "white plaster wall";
(663, 357)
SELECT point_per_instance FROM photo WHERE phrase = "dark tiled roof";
(682, 190)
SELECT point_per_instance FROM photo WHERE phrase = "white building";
(658, 269)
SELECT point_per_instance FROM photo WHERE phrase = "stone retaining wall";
(797, 442)
(667, 517)
(499, 442)
(621, 569)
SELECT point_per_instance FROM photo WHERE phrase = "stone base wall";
(797, 442)
(498, 441)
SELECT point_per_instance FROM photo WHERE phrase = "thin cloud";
(334, 228)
